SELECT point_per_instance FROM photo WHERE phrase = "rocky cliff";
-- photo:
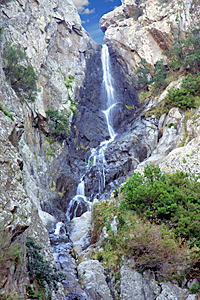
(40, 170)
(57, 47)
(144, 29)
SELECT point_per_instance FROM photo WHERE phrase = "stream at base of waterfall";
(79, 204)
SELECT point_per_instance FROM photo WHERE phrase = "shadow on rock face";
(72, 296)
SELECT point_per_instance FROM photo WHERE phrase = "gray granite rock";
(91, 274)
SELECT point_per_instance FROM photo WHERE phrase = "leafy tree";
(22, 78)
(144, 78)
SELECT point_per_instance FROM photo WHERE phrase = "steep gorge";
(38, 178)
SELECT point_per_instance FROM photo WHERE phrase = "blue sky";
(91, 11)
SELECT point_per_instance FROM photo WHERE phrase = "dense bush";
(153, 246)
(20, 73)
(136, 13)
(40, 269)
(59, 123)
(187, 96)
(173, 199)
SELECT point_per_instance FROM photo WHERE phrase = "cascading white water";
(97, 157)
(107, 76)
(62, 246)
(58, 226)
(78, 201)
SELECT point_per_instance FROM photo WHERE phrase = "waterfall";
(79, 202)
(98, 154)
(107, 76)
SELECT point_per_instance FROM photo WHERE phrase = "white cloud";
(80, 4)
(88, 11)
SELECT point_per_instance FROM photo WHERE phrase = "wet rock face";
(90, 104)
(89, 129)
(125, 89)
(89, 125)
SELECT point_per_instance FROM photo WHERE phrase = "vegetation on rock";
(170, 198)
(9, 251)
(184, 59)
(20, 73)
(143, 75)
(152, 246)
(184, 54)
(157, 223)
(6, 113)
(10, 257)
(58, 122)
(185, 97)
(137, 12)
(40, 271)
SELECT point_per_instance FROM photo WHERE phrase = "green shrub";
(187, 96)
(184, 54)
(143, 76)
(145, 79)
(20, 73)
(159, 78)
(1, 33)
(153, 247)
(173, 199)
(40, 269)
(68, 84)
(6, 113)
(59, 123)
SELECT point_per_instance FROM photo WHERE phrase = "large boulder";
(93, 279)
